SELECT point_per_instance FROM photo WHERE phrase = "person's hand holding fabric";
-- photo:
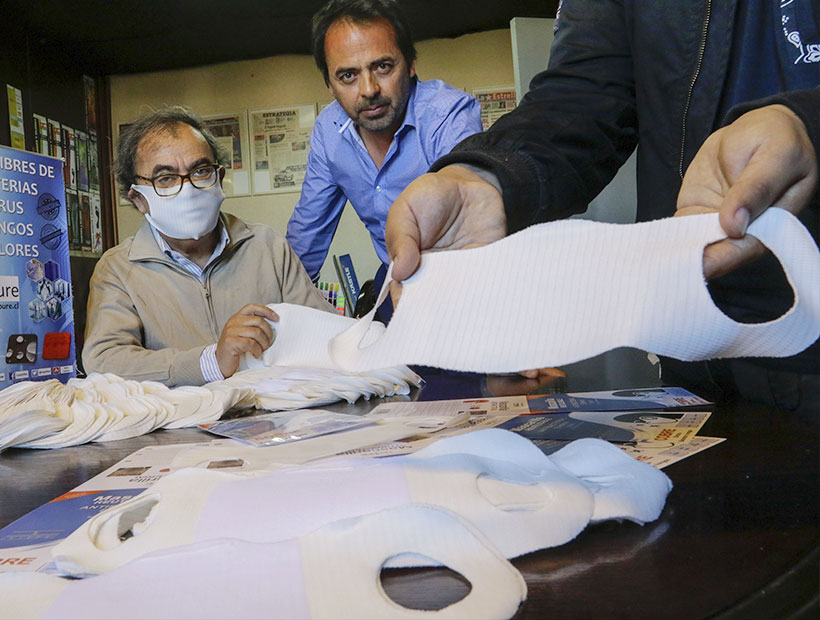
(450, 209)
(762, 159)
(247, 331)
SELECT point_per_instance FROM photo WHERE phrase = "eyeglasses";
(201, 177)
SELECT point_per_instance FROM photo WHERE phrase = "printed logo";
(9, 289)
(20, 374)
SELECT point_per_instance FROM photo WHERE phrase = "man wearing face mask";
(385, 128)
(184, 299)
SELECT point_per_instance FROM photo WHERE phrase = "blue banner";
(36, 312)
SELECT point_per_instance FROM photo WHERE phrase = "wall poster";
(16, 127)
(36, 313)
(40, 134)
(495, 103)
(281, 141)
(231, 131)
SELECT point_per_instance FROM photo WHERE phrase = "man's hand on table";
(523, 383)
(247, 331)
(763, 158)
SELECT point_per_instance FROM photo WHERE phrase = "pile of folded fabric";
(104, 407)
(295, 372)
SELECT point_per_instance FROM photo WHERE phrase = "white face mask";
(190, 214)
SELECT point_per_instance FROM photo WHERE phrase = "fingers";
(769, 161)
(543, 372)
(762, 159)
(721, 257)
(258, 310)
(247, 331)
(450, 209)
(403, 238)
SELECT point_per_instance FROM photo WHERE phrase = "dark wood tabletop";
(738, 537)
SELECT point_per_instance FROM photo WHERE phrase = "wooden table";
(738, 537)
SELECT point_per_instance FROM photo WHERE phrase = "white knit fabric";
(332, 572)
(557, 293)
(519, 498)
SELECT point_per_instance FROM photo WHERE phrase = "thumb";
(747, 198)
(403, 242)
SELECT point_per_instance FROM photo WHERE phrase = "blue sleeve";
(462, 120)
(316, 215)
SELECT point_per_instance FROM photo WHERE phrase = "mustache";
(374, 103)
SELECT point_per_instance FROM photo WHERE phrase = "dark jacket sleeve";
(574, 128)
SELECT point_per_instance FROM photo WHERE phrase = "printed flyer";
(615, 400)
(656, 429)
(36, 313)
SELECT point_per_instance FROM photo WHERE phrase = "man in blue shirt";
(385, 128)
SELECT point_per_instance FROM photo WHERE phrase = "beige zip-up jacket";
(149, 319)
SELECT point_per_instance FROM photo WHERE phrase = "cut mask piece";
(296, 370)
(302, 335)
(498, 481)
(332, 572)
(569, 290)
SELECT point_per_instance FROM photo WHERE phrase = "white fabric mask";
(190, 214)
(518, 498)
(332, 572)
(569, 290)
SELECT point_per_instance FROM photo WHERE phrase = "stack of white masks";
(104, 407)
(466, 502)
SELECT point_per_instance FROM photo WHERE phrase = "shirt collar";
(224, 240)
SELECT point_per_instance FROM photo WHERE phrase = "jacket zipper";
(205, 286)
(701, 52)
(211, 315)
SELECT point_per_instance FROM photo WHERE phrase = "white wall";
(473, 61)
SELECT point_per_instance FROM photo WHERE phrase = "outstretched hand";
(450, 209)
(763, 158)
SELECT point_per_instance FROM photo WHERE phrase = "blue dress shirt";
(339, 167)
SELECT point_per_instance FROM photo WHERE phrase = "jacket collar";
(144, 246)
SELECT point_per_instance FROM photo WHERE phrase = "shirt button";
(378, 188)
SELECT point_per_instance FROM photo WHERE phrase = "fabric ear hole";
(512, 496)
(411, 587)
(754, 308)
(127, 524)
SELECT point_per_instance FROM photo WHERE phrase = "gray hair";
(163, 119)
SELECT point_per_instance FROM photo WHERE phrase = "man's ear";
(413, 69)
(138, 200)
(221, 174)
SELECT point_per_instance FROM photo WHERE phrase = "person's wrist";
(483, 173)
